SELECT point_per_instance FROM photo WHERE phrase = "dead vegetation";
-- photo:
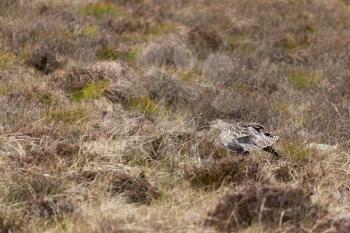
(101, 104)
(264, 205)
(135, 189)
(225, 171)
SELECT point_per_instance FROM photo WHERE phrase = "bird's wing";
(261, 139)
(247, 143)
(253, 125)
(239, 130)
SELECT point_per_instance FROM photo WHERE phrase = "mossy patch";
(304, 80)
(93, 90)
(101, 9)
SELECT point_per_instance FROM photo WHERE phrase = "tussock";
(263, 205)
(78, 78)
(12, 220)
(135, 189)
(44, 60)
(224, 171)
(50, 208)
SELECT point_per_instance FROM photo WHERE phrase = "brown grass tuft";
(44, 60)
(135, 189)
(283, 174)
(51, 208)
(12, 220)
(223, 171)
(262, 205)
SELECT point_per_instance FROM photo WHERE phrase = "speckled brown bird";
(245, 137)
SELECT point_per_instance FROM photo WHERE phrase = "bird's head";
(216, 124)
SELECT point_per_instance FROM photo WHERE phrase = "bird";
(243, 137)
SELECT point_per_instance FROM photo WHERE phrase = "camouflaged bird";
(245, 137)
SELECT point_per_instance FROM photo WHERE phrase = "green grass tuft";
(109, 53)
(3, 90)
(100, 9)
(186, 77)
(146, 105)
(69, 115)
(304, 80)
(163, 28)
(90, 31)
(93, 90)
(297, 151)
(7, 59)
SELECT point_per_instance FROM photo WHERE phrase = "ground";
(102, 103)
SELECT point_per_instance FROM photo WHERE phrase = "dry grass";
(100, 104)
(265, 205)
